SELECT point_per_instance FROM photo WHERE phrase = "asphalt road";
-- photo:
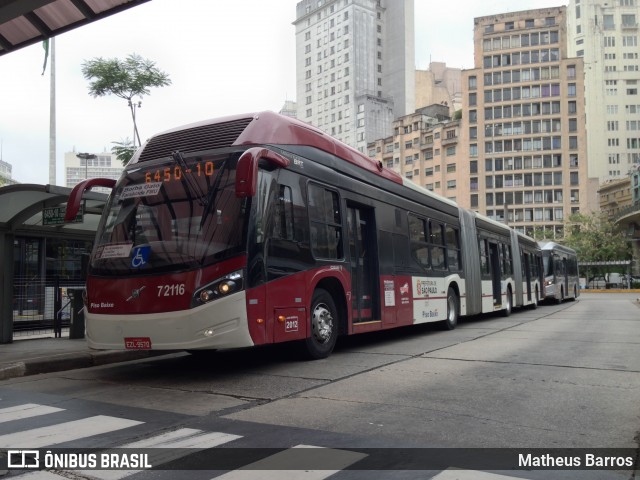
(560, 376)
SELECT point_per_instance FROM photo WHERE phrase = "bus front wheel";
(534, 304)
(324, 326)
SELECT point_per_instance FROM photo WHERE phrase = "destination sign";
(55, 215)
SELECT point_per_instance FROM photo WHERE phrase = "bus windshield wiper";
(213, 191)
(192, 185)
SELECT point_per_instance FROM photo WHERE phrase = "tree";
(123, 150)
(596, 239)
(125, 79)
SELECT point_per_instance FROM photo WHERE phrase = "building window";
(608, 23)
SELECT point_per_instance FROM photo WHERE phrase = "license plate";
(137, 343)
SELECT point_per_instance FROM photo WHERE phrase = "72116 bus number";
(169, 174)
(171, 290)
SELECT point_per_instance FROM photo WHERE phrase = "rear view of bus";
(560, 265)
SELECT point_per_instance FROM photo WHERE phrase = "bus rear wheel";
(453, 311)
(324, 326)
(561, 299)
(508, 303)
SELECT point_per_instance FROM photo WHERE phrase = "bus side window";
(453, 248)
(418, 241)
(484, 257)
(283, 221)
(436, 236)
(325, 222)
(507, 268)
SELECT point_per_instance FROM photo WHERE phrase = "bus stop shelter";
(25, 22)
(30, 210)
(598, 267)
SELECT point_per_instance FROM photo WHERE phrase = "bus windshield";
(158, 220)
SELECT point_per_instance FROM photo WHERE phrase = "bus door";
(362, 253)
(496, 272)
(527, 273)
(565, 276)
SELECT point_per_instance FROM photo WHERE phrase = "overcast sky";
(223, 57)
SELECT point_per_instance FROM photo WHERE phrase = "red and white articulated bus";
(259, 229)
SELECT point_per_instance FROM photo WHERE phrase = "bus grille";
(204, 137)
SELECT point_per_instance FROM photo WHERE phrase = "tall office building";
(5, 173)
(524, 123)
(355, 69)
(605, 34)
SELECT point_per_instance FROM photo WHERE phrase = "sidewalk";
(45, 354)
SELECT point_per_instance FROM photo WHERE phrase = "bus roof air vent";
(194, 139)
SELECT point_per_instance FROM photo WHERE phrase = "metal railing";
(42, 305)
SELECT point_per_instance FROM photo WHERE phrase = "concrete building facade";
(615, 196)
(104, 165)
(604, 34)
(424, 149)
(439, 84)
(5, 174)
(523, 127)
(355, 68)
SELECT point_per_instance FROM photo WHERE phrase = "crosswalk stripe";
(455, 474)
(262, 469)
(39, 475)
(65, 432)
(183, 438)
(27, 410)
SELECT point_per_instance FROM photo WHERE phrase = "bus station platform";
(45, 354)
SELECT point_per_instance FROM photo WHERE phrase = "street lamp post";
(86, 157)
(134, 106)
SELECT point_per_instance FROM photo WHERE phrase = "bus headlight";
(219, 288)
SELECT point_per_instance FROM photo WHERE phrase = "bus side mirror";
(247, 169)
(75, 197)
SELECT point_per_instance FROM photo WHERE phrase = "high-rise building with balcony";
(523, 128)
(604, 33)
(355, 69)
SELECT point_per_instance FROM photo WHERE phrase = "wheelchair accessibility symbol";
(140, 256)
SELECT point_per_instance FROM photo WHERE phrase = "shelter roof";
(24, 22)
(23, 205)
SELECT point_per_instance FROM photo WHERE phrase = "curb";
(71, 361)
